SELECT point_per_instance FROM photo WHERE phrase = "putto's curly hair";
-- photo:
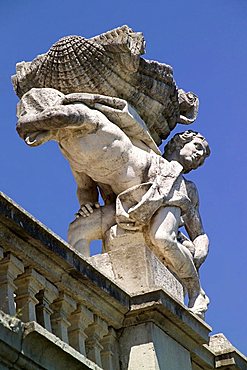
(182, 138)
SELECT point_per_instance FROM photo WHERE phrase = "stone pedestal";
(146, 346)
(158, 332)
(133, 266)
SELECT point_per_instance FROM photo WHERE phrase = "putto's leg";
(163, 236)
(83, 246)
(84, 229)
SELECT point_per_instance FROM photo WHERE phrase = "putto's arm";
(42, 112)
(194, 227)
(57, 117)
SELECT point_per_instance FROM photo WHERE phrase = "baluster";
(62, 309)
(43, 308)
(10, 268)
(109, 354)
(28, 284)
(95, 333)
(80, 319)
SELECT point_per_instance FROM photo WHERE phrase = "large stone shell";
(108, 64)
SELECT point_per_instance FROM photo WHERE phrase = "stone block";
(147, 347)
(136, 269)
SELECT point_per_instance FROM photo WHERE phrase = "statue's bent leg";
(163, 236)
(84, 229)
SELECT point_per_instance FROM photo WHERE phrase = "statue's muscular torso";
(99, 142)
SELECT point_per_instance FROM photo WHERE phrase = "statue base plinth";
(131, 264)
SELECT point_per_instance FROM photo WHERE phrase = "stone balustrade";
(73, 309)
(43, 280)
(30, 296)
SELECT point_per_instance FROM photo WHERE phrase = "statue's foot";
(199, 304)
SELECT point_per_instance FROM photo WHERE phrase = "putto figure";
(109, 148)
(109, 109)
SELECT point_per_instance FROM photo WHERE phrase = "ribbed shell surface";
(108, 64)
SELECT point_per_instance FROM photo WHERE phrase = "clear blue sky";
(205, 42)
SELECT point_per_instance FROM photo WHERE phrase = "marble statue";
(108, 119)
(149, 190)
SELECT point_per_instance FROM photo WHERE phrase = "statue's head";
(188, 148)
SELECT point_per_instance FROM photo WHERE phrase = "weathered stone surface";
(31, 347)
(26, 237)
(135, 268)
(11, 334)
(146, 347)
(110, 351)
(10, 268)
(28, 285)
(95, 333)
(80, 319)
(220, 344)
(180, 324)
(62, 308)
(226, 355)
(43, 308)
